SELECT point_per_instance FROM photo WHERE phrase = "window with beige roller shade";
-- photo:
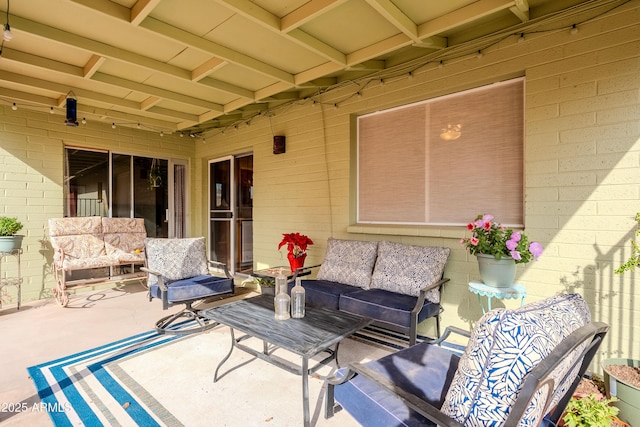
(445, 160)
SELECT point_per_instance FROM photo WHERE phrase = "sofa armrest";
(303, 271)
(423, 293)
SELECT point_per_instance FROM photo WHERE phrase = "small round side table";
(514, 291)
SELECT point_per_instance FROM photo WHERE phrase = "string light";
(113, 125)
(51, 110)
(574, 29)
(14, 107)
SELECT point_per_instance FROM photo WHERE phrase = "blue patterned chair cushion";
(504, 346)
(349, 261)
(406, 269)
(176, 259)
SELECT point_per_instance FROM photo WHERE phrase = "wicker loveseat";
(395, 284)
(93, 250)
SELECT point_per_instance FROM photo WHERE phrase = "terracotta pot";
(294, 262)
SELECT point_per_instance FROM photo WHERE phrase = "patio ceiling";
(193, 65)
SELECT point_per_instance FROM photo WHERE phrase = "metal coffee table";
(319, 330)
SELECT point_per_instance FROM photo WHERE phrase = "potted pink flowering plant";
(498, 247)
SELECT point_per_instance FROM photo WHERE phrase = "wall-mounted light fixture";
(451, 132)
(279, 144)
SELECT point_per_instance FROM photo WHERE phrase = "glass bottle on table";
(297, 300)
(282, 301)
(281, 282)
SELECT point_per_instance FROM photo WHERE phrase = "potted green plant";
(622, 376)
(9, 241)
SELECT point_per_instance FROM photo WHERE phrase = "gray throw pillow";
(406, 269)
(349, 261)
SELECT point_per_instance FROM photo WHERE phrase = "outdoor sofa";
(395, 284)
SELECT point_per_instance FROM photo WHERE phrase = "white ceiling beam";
(396, 17)
(97, 48)
(92, 66)
(28, 97)
(101, 49)
(464, 15)
(377, 49)
(251, 11)
(141, 10)
(321, 48)
(110, 8)
(206, 68)
(152, 90)
(317, 72)
(64, 89)
(171, 113)
(228, 88)
(307, 12)
(24, 58)
(215, 49)
(120, 117)
(433, 42)
(521, 10)
(149, 102)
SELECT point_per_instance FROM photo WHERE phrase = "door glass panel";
(244, 214)
(121, 203)
(220, 212)
(86, 177)
(151, 195)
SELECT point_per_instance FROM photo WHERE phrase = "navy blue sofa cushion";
(323, 293)
(196, 287)
(423, 370)
(386, 306)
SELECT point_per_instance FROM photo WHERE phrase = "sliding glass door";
(122, 185)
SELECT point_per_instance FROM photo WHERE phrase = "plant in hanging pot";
(9, 240)
(296, 248)
(498, 250)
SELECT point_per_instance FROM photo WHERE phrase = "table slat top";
(319, 329)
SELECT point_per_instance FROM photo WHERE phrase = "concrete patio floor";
(43, 330)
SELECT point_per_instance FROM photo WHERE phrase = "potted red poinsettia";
(296, 247)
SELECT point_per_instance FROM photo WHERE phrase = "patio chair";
(520, 368)
(178, 273)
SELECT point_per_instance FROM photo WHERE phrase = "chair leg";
(165, 325)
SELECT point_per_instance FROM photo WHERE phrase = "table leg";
(233, 344)
(305, 391)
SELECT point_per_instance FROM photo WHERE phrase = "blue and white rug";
(160, 380)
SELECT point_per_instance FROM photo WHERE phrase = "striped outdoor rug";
(159, 380)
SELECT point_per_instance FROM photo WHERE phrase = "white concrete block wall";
(31, 177)
(582, 153)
